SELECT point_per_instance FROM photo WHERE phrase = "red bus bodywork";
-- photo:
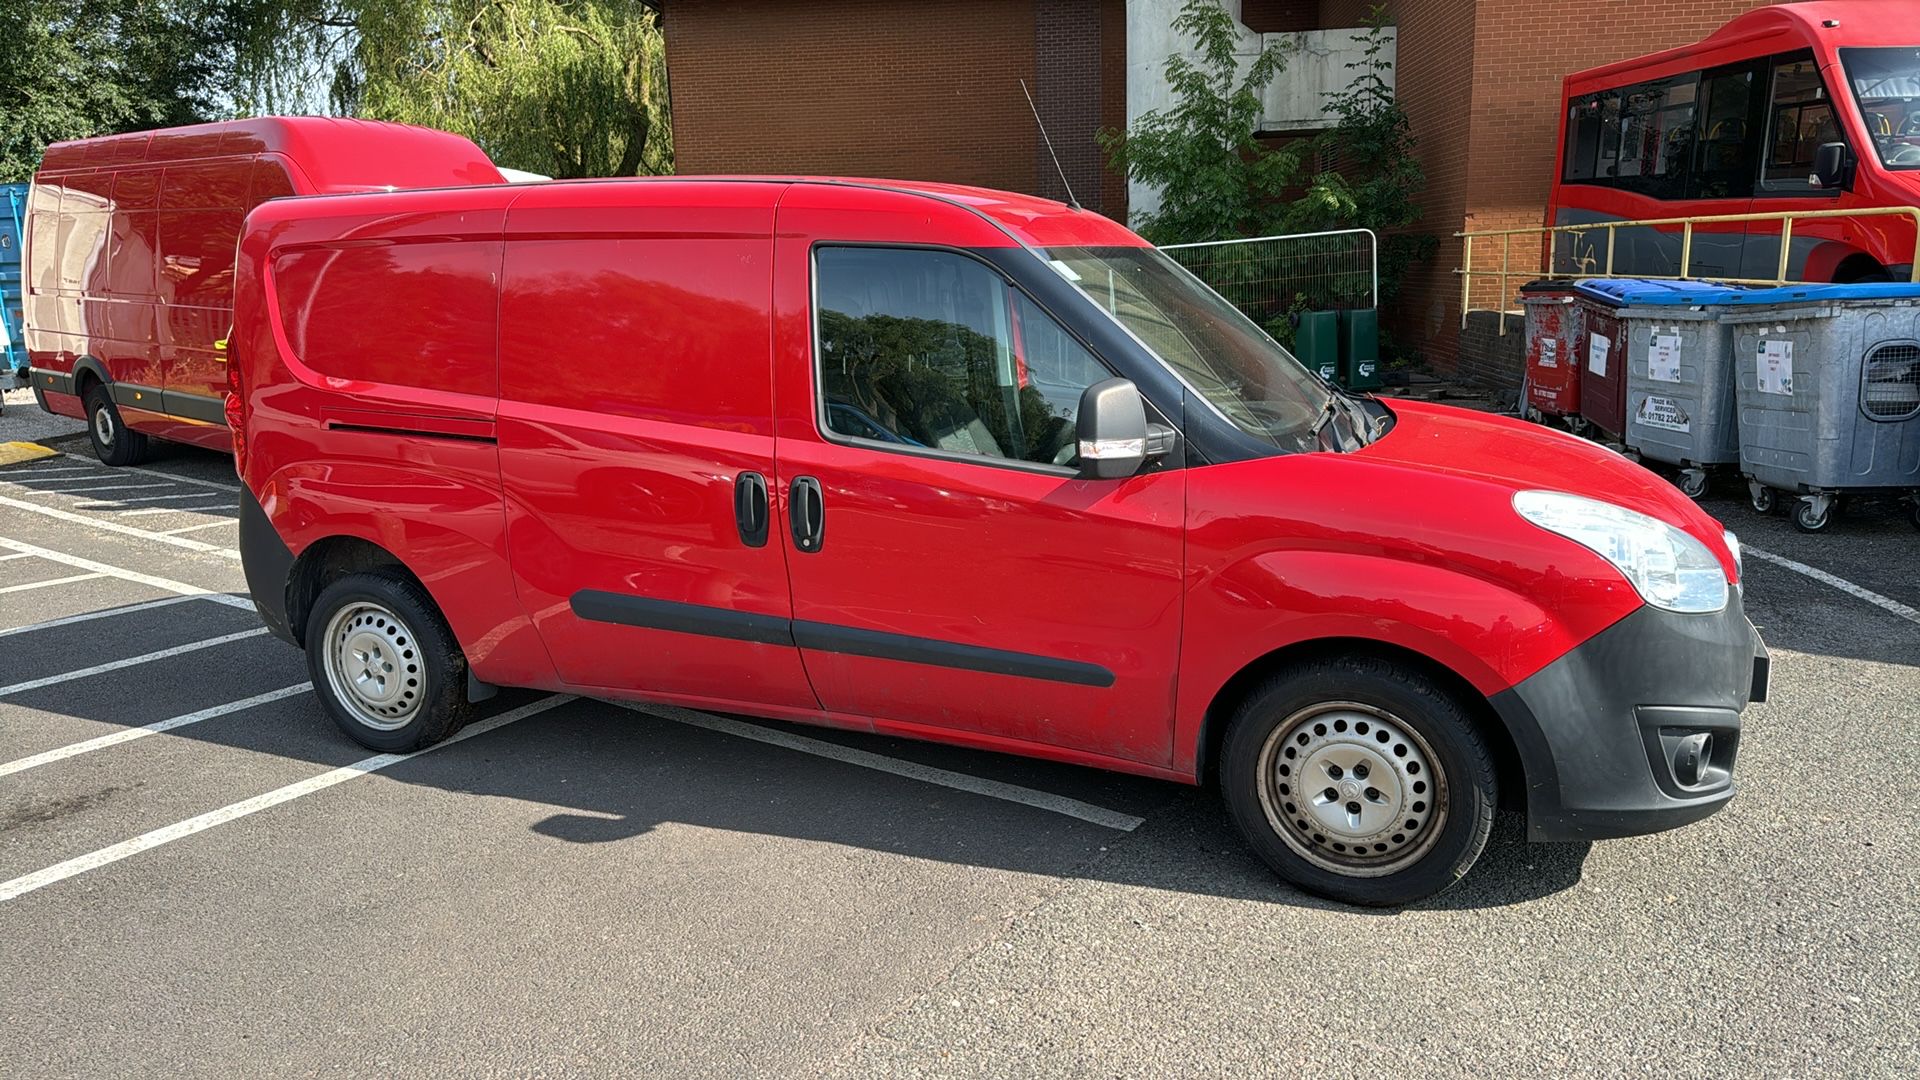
(130, 244)
(1729, 126)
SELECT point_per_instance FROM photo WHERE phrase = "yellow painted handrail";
(1786, 218)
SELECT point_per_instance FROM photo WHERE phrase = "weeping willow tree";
(569, 88)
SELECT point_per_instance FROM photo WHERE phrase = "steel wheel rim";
(1389, 801)
(103, 426)
(372, 662)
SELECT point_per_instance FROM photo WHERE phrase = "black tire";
(114, 443)
(1762, 502)
(1354, 695)
(1692, 484)
(420, 655)
(1913, 514)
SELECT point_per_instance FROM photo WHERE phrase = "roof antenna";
(1071, 201)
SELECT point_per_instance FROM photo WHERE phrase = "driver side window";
(930, 349)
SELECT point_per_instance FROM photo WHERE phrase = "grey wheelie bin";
(1828, 387)
(1679, 369)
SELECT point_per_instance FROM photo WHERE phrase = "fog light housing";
(1691, 758)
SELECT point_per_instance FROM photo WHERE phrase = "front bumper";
(1608, 733)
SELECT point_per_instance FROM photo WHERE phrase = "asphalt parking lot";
(200, 876)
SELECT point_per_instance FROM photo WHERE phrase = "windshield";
(1886, 86)
(1220, 354)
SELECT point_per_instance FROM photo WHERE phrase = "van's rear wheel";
(386, 667)
(114, 443)
(1360, 780)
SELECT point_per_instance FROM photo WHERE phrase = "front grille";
(1890, 381)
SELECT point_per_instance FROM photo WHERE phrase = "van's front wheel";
(1360, 780)
(114, 443)
(384, 663)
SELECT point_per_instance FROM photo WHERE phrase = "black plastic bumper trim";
(626, 610)
(138, 396)
(53, 382)
(268, 563)
(208, 410)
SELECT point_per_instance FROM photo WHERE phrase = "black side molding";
(268, 564)
(53, 382)
(200, 407)
(609, 607)
(852, 641)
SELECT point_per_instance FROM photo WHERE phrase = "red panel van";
(129, 257)
(964, 466)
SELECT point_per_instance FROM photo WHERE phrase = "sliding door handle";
(807, 512)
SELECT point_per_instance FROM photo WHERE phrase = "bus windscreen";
(1886, 86)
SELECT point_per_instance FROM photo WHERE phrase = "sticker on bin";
(1549, 352)
(1663, 359)
(1597, 349)
(1663, 412)
(1775, 373)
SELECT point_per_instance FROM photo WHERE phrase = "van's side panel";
(371, 373)
(635, 391)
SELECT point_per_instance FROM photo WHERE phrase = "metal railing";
(1786, 218)
(1268, 277)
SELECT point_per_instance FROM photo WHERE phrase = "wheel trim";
(372, 663)
(1372, 824)
(103, 425)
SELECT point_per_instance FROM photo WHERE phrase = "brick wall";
(927, 90)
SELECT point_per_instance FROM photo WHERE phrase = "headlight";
(1669, 568)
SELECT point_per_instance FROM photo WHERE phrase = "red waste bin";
(1555, 331)
(1603, 357)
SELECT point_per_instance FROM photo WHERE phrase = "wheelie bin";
(1555, 332)
(1603, 368)
(1679, 375)
(1360, 349)
(1316, 342)
(1827, 379)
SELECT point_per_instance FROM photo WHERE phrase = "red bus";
(1812, 106)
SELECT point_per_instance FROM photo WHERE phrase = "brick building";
(930, 89)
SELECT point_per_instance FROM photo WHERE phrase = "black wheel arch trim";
(628, 610)
(268, 565)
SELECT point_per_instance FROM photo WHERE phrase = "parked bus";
(129, 257)
(1812, 106)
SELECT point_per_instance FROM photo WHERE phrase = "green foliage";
(72, 69)
(569, 88)
(1216, 181)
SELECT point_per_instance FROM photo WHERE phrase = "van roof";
(336, 154)
(1859, 22)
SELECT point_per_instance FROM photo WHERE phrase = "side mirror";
(1115, 438)
(1831, 165)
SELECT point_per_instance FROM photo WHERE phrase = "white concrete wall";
(1294, 101)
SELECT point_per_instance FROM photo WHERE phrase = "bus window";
(1727, 157)
(1799, 119)
(1886, 84)
(1656, 136)
(1583, 137)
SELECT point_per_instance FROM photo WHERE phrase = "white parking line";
(144, 511)
(1041, 800)
(114, 526)
(158, 726)
(88, 616)
(194, 480)
(89, 489)
(124, 574)
(131, 661)
(202, 525)
(40, 879)
(100, 478)
(32, 471)
(108, 504)
(1845, 586)
(15, 555)
(50, 581)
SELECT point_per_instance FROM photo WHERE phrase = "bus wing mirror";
(1831, 164)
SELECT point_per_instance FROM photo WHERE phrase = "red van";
(129, 257)
(965, 466)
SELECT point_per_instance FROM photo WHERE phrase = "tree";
(1216, 180)
(569, 88)
(79, 68)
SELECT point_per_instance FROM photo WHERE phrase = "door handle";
(807, 511)
(750, 508)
